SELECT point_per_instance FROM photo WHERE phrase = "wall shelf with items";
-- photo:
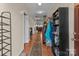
(61, 36)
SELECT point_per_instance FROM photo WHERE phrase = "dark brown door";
(76, 30)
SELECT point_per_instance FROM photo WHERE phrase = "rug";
(36, 49)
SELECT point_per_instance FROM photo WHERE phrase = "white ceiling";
(34, 7)
(48, 8)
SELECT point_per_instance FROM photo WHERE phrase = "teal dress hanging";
(48, 34)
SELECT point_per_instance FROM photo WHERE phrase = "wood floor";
(46, 51)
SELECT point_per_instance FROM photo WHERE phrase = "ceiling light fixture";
(39, 4)
(40, 12)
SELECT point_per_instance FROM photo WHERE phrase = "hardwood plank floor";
(46, 51)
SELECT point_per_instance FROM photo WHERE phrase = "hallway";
(38, 30)
(36, 48)
(44, 24)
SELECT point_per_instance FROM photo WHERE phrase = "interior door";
(76, 31)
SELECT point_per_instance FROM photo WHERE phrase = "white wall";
(32, 23)
(26, 29)
(71, 23)
(17, 25)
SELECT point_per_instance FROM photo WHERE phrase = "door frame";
(75, 28)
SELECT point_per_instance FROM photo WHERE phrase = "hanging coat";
(48, 34)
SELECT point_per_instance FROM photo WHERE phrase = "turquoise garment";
(48, 34)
